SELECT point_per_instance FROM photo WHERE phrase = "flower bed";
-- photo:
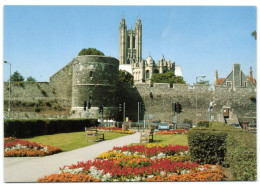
(14, 147)
(123, 132)
(178, 131)
(139, 163)
(108, 128)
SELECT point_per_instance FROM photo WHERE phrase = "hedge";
(203, 124)
(207, 147)
(24, 128)
(229, 146)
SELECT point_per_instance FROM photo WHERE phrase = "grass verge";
(70, 141)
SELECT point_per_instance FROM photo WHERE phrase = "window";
(147, 74)
(245, 83)
(133, 42)
(156, 71)
(91, 74)
(229, 84)
(128, 42)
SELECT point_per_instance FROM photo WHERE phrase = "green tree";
(254, 34)
(125, 77)
(203, 82)
(90, 51)
(167, 77)
(17, 77)
(31, 79)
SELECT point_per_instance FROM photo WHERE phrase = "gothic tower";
(130, 43)
(122, 41)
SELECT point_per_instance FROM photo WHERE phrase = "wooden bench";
(93, 135)
(145, 136)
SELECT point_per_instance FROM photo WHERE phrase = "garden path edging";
(30, 169)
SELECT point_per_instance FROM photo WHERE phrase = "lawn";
(173, 139)
(70, 141)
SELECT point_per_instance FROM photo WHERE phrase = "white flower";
(18, 146)
(181, 153)
(185, 171)
(150, 176)
(127, 153)
(35, 148)
(106, 177)
(162, 173)
(23, 147)
(45, 149)
(161, 155)
(154, 157)
(143, 156)
(201, 168)
(7, 149)
(136, 153)
(185, 152)
(13, 148)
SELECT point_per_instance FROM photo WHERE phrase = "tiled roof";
(220, 81)
(252, 80)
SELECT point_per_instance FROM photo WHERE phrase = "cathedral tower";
(130, 43)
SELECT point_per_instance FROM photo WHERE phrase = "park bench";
(93, 135)
(145, 136)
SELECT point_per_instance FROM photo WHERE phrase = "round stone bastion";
(94, 84)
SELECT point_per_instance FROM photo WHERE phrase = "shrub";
(23, 128)
(237, 149)
(207, 146)
(203, 124)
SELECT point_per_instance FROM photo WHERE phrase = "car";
(163, 126)
(155, 124)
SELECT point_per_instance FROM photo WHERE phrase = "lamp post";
(9, 101)
(203, 76)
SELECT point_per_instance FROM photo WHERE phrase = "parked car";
(163, 126)
(155, 124)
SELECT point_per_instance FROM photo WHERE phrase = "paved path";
(29, 169)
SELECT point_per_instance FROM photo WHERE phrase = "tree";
(125, 77)
(17, 77)
(203, 82)
(167, 77)
(31, 79)
(90, 51)
(254, 34)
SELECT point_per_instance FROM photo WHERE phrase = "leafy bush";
(226, 145)
(207, 147)
(203, 124)
(23, 128)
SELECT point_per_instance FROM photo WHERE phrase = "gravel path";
(29, 169)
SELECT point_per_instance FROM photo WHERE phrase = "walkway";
(29, 169)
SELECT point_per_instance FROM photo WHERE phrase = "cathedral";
(130, 55)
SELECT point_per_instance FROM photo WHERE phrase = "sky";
(40, 40)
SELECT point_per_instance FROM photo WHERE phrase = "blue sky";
(40, 40)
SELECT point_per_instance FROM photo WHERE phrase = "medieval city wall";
(157, 98)
(158, 101)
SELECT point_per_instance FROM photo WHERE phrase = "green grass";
(172, 139)
(70, 141)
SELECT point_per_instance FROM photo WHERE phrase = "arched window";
(156, 71)
(147, 74)
(164, 71)
(133, 42)
(128, 41)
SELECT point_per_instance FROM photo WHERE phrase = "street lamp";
(203, 76)
(9, 102)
